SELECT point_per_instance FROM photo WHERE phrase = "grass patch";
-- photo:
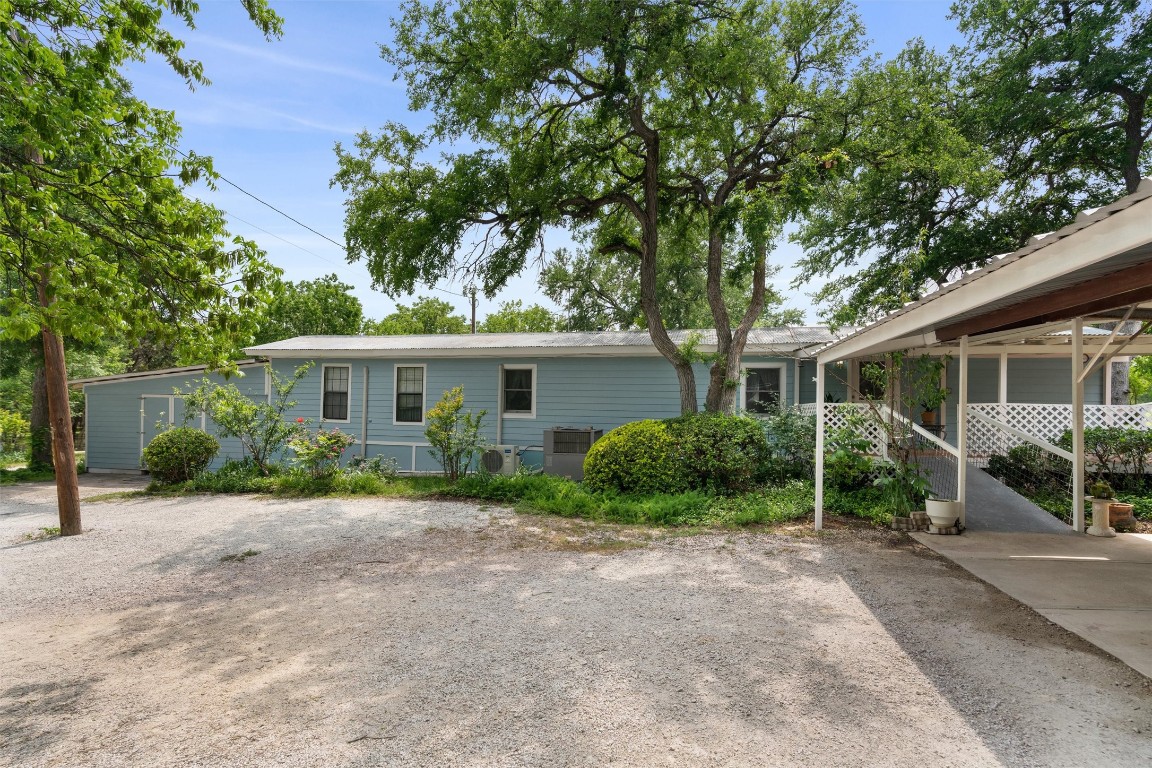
(239, 557)
(549, 495)
(115, 496)
(39, 475)
(42, 534)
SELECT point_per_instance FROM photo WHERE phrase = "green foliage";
(904, 487)
(791, 437)
(426, 316)
(319, 454)
(641, 457)
(385, 468)
(1043, 115)
(1101, 490)
(234, 476)
(258, 424)
(321, 307)
(453, 433)
(613, 117)
(14, 432)
(717, 452)
(868, 503)
(847, 466)
(792, 500)
(97, 233)
(514, 317)
(180, 454)
(1140, 379)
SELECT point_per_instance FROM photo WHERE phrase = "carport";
(1083, 293)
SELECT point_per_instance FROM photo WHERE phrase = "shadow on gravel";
(34, 716)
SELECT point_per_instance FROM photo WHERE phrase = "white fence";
(1044, 421)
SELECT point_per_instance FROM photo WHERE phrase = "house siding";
(598, 391)
(114, 416)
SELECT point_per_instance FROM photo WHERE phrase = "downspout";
(364, 418)
(500, 405)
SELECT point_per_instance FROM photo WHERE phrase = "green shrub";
(454, 433)
(867, 503)
(791, 437)
(718, 452)
(791, 501)
(234, 476)
(320, 453)
(14, 432)
(180, 454)
(640, 457)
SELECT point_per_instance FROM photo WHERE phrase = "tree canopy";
(514, 317)
(612, 117)
(97, 235)
(1043, 114)
(427, 315)
(321, 307)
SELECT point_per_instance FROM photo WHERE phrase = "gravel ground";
(381, 632)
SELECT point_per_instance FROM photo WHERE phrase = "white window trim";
(323, 375)
(744, 366)
(517, 414)
(423, 394)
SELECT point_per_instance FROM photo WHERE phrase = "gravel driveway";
(386, 632)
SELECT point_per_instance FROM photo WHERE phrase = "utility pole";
(472, 294)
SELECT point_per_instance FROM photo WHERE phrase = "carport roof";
(1097, 267)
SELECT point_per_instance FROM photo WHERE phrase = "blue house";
(378, 388)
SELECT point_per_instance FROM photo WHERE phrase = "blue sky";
(275, 110)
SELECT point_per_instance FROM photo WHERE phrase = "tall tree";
(599, 115)
(426, 316)
(321, 307)
(96, 233)
(514, 317)
(1045, 113)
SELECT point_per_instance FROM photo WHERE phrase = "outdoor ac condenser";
(500, 459)
(565, 448)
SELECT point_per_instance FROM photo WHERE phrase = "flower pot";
(1117, 511)
(943, 512)
(1100, 518)
(928, 418)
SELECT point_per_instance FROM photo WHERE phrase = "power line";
(296, 221)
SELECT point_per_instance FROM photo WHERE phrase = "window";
(409, 394)
(762, 390)
(335, 405)
(519, 391)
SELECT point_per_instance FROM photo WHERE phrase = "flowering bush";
(320, 453)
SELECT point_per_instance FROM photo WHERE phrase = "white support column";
(796, 382)
(819, 445)
(1002, 390)
(962, 433)
(1077, 425)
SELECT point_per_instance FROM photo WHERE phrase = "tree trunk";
(723, 383)
(718, 378)
(1133, 140)
(40, 439)
(63, 450)
(648, 216)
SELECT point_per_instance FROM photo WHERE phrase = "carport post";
(819, 444)
(962, 433)
(1078, 425)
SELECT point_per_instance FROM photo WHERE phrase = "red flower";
(299, 419)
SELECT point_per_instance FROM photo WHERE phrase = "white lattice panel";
(840, 415)
(1047, 421)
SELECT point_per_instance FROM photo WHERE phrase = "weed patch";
(240, 556)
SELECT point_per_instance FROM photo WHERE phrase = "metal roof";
(1032, 250)
(789, 339)
(147, 374)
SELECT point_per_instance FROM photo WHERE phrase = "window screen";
(762, 390)
(517, 390)
(409, 395)
(336, 393)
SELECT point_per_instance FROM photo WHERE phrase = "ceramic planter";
(943, 512)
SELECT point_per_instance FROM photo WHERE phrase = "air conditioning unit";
(500, 459)
(565, 448)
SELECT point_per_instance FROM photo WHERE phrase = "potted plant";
(942, 512)
(1101, 494)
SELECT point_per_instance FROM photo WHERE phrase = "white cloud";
(292, 62)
